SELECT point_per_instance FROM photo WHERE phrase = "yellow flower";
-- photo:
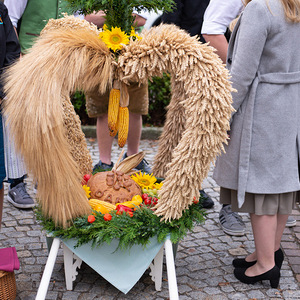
(114, 38)
(87, 190)
(157, 185)
(134, 35)
(144, 180)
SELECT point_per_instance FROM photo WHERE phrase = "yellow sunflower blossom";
(114, 38)
(144, 180)
(87, 190)
(157, 185)
(133, 35)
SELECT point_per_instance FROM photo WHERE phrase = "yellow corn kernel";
(95, 202)
(113, 111)
(116, 128)
(101, 208)
(123, 125)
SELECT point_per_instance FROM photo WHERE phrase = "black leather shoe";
(242, 263)
(272, 275)
(205, 201)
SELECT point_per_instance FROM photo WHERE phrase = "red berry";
(147, 201)
(155, 200)
(195, 201)
(144, 196)
(86, 177)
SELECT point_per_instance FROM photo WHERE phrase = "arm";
(219, 42)
(139, 20)
(15, 10)
(217, 18)
(96, 18)
(99, 19)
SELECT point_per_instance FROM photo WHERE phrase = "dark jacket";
(188, 15)
(9, 44)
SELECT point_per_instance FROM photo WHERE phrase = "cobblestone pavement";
(203, 261)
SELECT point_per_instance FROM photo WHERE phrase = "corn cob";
(95, 202)
(123, 124)
(113, 111)
(116, 128)
(136, 201)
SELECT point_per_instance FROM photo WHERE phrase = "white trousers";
(14, 164)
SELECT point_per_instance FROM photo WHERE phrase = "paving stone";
(203, 262)
(255, 295)
(238, 251)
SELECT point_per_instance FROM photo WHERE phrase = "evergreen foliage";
(119, 12)
(128, 230)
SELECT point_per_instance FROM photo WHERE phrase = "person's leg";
(104, 139)
(281, 224)
(252, 258)
(265, 233)
(134, 133)
(16, 173)
(133, 140)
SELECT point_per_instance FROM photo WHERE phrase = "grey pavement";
(203, 261)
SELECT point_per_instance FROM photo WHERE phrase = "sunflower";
(144, 180)
(133, 35)
(114, 38)
(157, 185)
(87, 190)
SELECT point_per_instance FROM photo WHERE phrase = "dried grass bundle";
(198, 114)
(65, 59)
(37, 87)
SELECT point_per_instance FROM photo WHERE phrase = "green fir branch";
(119, 12)
(127, 230)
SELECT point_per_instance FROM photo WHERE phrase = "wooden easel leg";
(71, 263)
(43, 288)
(172, 282)
(156, 269)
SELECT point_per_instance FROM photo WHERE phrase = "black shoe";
(205, 201)
(242, 263)
(102, 167)
(142, 166)
(273, 275)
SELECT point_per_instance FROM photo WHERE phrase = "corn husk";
(130, 163)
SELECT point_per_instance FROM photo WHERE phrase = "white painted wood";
(156, 269)
(71, 263)
(172, 282)
(44, 284)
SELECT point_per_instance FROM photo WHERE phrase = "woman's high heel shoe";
(242, 263)
(273, 275)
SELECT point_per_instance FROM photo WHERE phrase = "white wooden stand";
(72, 262)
